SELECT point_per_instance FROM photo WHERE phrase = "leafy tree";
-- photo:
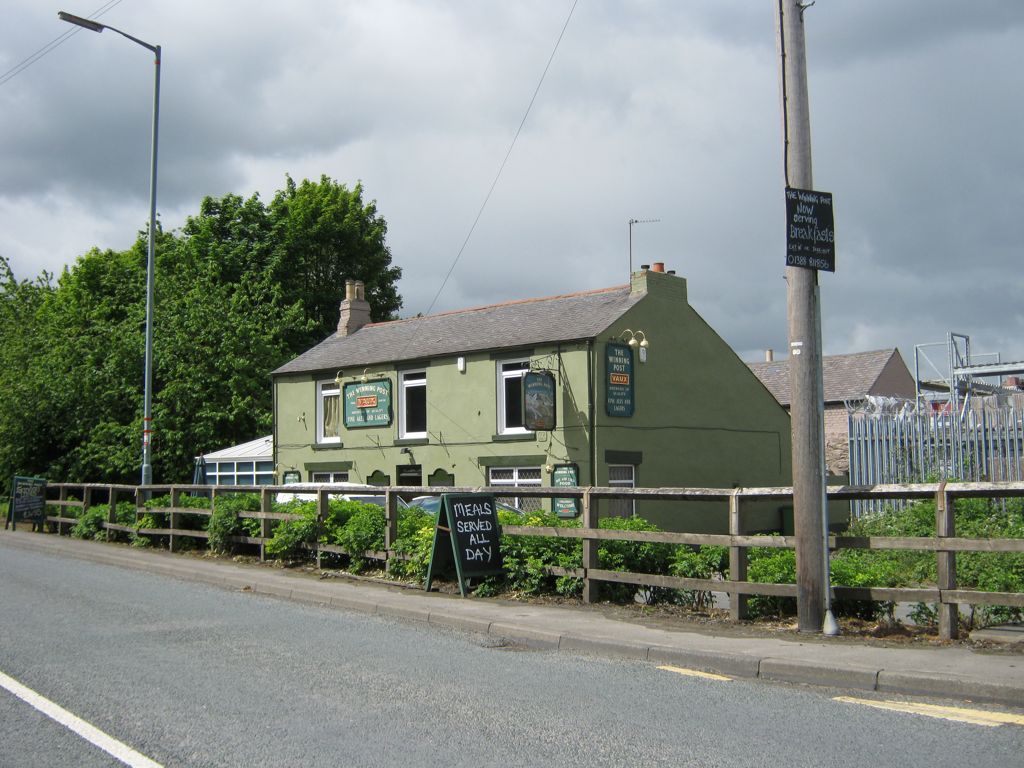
(328, 234)
(241, 289)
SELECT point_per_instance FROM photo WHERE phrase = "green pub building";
(624, 386)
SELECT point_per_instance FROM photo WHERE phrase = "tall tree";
(327, 234)
(242, 288)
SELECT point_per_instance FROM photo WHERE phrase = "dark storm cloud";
(650, 109)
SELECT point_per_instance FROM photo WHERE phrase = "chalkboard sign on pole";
(467, 533)
(810, 230)
(28, 501)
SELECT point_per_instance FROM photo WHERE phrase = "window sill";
(516, 437)
(327, 446)
(412, 441)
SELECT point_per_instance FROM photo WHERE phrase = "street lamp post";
(147, 410)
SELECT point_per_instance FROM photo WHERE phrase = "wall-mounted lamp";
(301, 419)
(365, 378)
(337, 377)
(637, 339)
(549, 468)
(460, 363)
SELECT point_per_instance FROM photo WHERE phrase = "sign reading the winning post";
(368, 404)
(28, 500)
(618, 366)
(810, 230)
(466, 534)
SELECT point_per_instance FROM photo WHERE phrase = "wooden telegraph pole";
(804, 337)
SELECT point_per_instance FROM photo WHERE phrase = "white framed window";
(328, 477)
(245, 472)
(621, 476)
(510, 396)
(517, 476)
(328, 412)
(412, 404)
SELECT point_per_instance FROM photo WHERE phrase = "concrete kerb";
(811, 673)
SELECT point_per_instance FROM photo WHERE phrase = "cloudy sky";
(651, 109)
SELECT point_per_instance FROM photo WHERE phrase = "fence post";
(590, 549)
(173, 519)
(265, 507)
(391, 524)
(111, 507)
(949, 613)
(62, 511)
(140, 503)
(737, 560)
(321, 516)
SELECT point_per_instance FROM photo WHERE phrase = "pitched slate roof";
(845, 377)
(500, 326)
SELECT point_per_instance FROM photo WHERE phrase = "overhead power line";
(21, 66)
(501, 168)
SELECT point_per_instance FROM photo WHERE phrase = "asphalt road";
(190, 675)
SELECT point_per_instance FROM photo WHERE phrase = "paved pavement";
(954, 672)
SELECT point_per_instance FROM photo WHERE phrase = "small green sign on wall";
(368, 404)
(619, 390)
(565, 476)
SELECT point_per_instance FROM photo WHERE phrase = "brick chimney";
(355, 309)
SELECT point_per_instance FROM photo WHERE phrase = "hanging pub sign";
(368, 404)
(619, 390)
(810, 230)
(565, 476)
(28, 500)
(466, 535)
(539, 401)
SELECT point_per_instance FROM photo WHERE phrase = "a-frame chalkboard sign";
(466, 534)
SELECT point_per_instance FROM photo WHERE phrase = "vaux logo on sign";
(368, 404)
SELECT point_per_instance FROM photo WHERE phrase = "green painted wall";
(461, 422)
(702, 419)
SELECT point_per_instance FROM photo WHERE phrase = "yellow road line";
(695, 673)
(957, 714)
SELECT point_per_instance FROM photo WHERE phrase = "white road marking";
(695, 673)
(90, 733)
(957, 714)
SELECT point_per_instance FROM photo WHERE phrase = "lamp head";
(93, 26)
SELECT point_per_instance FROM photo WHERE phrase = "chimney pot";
(645, 267)
(769, 355)
(658, 266)
(355, 309)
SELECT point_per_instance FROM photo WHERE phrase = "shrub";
(769, 565)
(224, 521)
(363, 531)
(633, 556)
(526, 557)
(416, 539)
(698, 563)
(89, 524)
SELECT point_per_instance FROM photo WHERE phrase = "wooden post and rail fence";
(944, 544)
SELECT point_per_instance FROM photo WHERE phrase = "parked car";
(431, 504)
(344, 491)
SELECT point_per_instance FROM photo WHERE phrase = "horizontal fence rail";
(945, 544)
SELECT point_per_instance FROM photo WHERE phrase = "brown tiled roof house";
(847, 379)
